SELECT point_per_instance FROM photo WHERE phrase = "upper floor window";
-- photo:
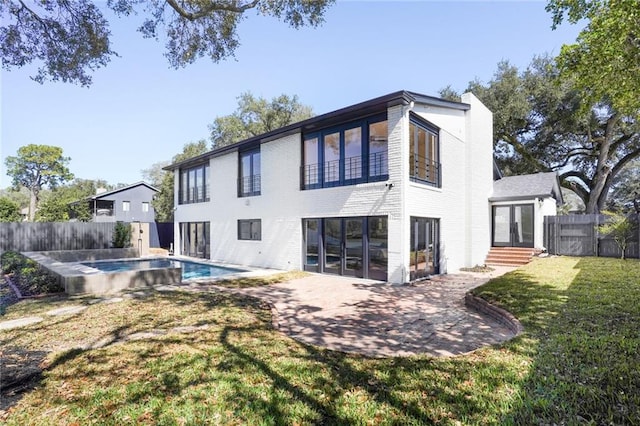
(249, 173)
(145, 206)
(424, 165)
(353, 153)
(126, 206)
(194, 184)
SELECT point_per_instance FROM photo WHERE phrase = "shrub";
(121, 235)
(11, 261)
(28, 275)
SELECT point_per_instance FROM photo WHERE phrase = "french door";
(352, 246)
(344, 246)
(513, 225)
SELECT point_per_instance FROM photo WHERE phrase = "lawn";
(202, 358)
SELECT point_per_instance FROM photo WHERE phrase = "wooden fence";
(47, 236)
(576, 235)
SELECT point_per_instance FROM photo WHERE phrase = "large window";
(424, 166)
(194, 184)
(353, 153)
(195, 239)
(250, 229)
(249, 176)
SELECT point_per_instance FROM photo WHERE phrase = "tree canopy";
(68, 201)
(540, 124)
(605, 59)
(255, 116)
(9, 211)
(73, 38)
(36, 167)
(164, 180)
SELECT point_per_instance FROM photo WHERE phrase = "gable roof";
(124, 188)
(353, 112)
(522, 187)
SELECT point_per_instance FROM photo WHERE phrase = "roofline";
(520, 197)
(124, 188)
(401, 97)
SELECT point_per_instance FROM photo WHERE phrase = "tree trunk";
(33, 203)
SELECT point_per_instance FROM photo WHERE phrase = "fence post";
(596, 233)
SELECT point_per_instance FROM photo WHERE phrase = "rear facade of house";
(394, 189)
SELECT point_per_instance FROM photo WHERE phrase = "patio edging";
(501, 315)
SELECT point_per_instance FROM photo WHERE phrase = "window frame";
(432, 129)
(185, 177)
(145, 207)
(126, 206)
(320, 167)
(251, 222)
(255, 178)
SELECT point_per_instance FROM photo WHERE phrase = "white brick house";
(394, 188)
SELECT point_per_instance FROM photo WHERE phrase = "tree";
(625, 191)
(541, 124)
(69, 201)
(164, 181)
(9, 211)
(619, 228)
(255, 116)
(72, 38)
(36, 167)
(604, 59)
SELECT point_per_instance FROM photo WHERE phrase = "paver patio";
(377, 319)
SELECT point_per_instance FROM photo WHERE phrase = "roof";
(521, 187)
(353, 112)
(124, 188)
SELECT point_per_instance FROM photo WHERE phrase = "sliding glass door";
(195, 239)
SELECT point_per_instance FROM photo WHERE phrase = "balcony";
(424, 170)
(348, 171)
(249, 186)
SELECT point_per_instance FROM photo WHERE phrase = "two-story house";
(131, 203)
(394, 189)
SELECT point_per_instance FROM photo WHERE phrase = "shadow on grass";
(586, 369)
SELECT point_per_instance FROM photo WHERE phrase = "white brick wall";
(282, 204)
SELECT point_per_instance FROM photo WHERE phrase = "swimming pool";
(190, 270)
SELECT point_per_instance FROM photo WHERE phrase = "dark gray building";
(127, 204)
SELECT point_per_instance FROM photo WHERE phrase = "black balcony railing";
(424, 170)
(199, 194)
(249, 186)
(347, 171)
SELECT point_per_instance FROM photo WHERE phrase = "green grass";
(576, 363)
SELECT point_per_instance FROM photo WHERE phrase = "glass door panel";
(377, 248)
(353, 247)
(523, 225)
(311, 238)
(333, 245)
(502, 226)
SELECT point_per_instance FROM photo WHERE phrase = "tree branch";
(227, 7)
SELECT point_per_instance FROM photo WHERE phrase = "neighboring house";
(393, 189)
(518, 207)
(130, 203)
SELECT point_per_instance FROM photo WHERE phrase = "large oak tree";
(605, 59)
(543, 122)
(70, 39)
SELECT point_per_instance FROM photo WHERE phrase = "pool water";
(189, 269)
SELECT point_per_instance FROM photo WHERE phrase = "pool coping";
(77, 278)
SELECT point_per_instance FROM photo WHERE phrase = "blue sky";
(139, 111)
